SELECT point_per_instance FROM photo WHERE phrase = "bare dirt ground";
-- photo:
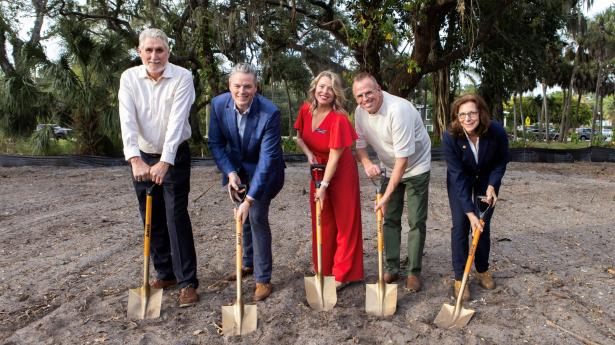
(71, 246)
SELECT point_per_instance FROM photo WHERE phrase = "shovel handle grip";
(379, 217)
(475, 237)
(147, 237)
(318, 237)
(318, 223)
(238, 244)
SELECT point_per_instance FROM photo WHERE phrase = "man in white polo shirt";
(394, 129)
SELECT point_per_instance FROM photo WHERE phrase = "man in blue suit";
(245, 140)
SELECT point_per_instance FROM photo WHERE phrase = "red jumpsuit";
(342, 239)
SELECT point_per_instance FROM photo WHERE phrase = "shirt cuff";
(130, 152)
(168, 157)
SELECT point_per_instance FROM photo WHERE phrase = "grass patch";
(42, 147)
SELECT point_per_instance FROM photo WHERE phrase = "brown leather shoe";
(162, 284)
(245, 271)
(413, 283)
(466, 291)
(263, 290)
(485, 280)
(188, 296)
(390, 278)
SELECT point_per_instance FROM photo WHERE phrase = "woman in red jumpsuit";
(325, 135)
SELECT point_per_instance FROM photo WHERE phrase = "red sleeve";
(342, 134)
(299, 123)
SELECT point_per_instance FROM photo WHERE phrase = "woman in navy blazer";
(476, 153)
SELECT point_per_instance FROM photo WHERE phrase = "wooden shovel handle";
(475, 237)
(147, 237)
(318, 224)
(238, 239)
(379, 217)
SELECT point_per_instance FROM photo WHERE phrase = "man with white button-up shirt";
(394, 129)
(154, 106)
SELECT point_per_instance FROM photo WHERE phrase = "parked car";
(59, 132)
(584, 133)
(539, 133)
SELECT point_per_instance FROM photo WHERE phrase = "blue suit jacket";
(258, 161)
(464, 176)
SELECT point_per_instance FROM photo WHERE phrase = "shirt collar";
(245, 112)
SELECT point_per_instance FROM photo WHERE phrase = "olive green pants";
(416, 189)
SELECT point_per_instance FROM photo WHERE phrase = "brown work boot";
(466, 291)
(263, 290)
(390, 278)
(413, 283)
(162, 284)
(188, 296)
(485, 280)
(245, 271)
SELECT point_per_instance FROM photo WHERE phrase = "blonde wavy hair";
(338, 92)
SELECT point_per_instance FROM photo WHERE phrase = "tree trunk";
(522, 117)
(515, 116)
(568, 98)
(545, 108)
(290, 111)
(596, 101)
(441, 87)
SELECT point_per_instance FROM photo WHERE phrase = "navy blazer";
(259, 159)
(464, 176)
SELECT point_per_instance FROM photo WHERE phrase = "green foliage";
(199, 149)
(86, 80)
(289, 145)
(40, 140)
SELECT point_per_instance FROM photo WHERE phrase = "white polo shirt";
(154, 114)
(395, 131)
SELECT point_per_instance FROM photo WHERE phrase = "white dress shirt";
(242, 118)
(154, 114)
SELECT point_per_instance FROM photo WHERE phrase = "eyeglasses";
(366, 94)
(469, 114)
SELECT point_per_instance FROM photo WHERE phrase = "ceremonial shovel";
(320, 290)
(457, 316)
(144, 302)
(380, 298)
(238, 319)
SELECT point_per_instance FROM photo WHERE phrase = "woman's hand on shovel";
(490, 196)
(474, 221)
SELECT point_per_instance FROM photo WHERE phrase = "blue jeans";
(257, 241)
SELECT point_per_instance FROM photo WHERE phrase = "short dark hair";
(364, 75)
(456, 129)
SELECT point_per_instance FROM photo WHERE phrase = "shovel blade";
(236, 321)
(380, 302)
(321, 295)
(144, 303)
(450, 319)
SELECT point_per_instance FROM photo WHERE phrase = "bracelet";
(324, 184)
